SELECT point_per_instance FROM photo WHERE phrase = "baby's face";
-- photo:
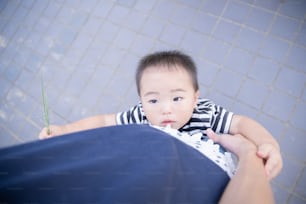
(168, 96)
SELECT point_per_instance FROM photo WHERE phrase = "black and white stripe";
(205, 115)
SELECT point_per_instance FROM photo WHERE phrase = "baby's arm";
(84, 124)
(268, 148)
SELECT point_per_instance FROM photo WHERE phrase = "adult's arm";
(250, 183)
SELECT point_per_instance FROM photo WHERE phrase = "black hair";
(170, 59)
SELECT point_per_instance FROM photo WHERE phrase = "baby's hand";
(54, 131)
(273, 159)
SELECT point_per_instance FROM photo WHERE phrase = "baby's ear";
(196, 97)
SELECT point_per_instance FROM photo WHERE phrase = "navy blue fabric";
(122, 164)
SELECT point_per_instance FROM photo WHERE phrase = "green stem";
(46, 111)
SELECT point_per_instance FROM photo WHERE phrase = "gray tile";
(145, 5)
(108, 104)
(19, 36)
(168, 36)
(207, 72)
(8, 54)
(135, 20)
(118, 14)
(107, 32)
(274, 126)
(289, 174)
(238, 60)
(116, 85)
(182, 15)
(264, 70)
(3, 4)
(243, 109)
(220, 99)
(271, 5)
(17, 130)
(19, 15)
(299, 115)
(204, 22)
(301, 36)
(30, 132)
(193, 42)
(33, 40)
(153, 27)
(274, 48)
(279, 105)
(214, 7)
(92, 26)
(129, 64)
(236, 11)
(124, 38)
(291, 81)
(86, 6)
(285, 27)
(42, 25)
(80, 111)
(259, 19)
(256, 97)
(293, 144)
(304, 95)
(112, 57)
(100, 78)
(142, 44)
(20, 101)
(226, 31)
(52, 10)
(22, 55)
(301, 185)
(34, 62)
(76, 83)
(9, 9)
(9, 31)
(296, 9)
(24, 78)
(280, 195)
(127, 3)
(250, 40)
(162, 8)
(12, 72)
(103, 8)
(228, 83)
(39, 7)
(215, 51)
(5, 113)
(297, 58)
(27, 4)
(65, 104)
(192, 3)
(6, 138)
(296, 200)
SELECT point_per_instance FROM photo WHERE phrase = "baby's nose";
(166, 108)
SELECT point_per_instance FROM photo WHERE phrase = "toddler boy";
(169, 93)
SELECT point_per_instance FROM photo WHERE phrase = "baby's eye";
(179, 98)
(153, 101)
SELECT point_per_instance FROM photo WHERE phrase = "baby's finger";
(212, 135)
(274, 165)
(264, 151)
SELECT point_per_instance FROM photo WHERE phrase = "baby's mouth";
(167, 123)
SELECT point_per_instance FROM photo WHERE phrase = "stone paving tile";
(250, 54)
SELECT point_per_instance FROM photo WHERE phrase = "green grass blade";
(45, 104)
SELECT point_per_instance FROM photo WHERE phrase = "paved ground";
(251, 56)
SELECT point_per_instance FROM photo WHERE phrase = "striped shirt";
(205, 115)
